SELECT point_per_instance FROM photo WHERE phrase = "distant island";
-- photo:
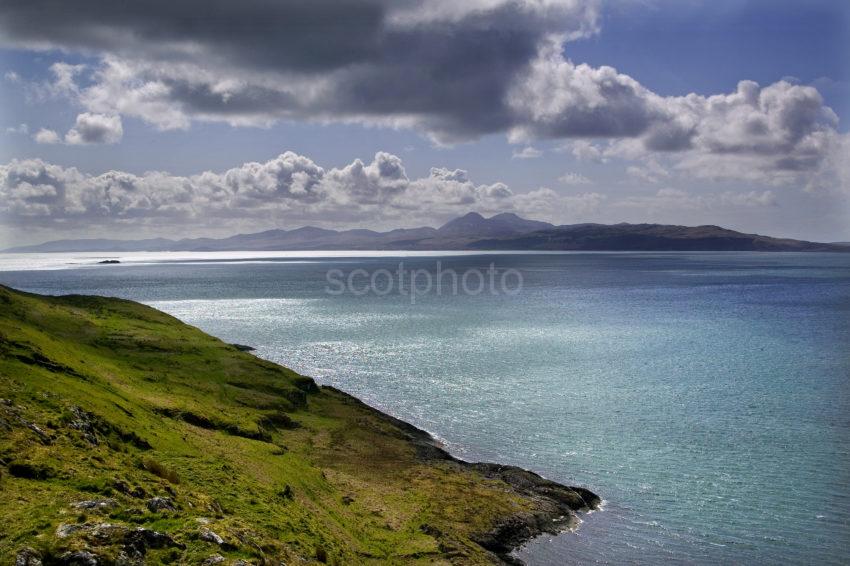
(472, 231)
(128, 437)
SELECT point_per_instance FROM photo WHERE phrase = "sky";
(208, 118)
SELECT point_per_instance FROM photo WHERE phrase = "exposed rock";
(210, 536)
(78, 558)
(158, 504)
(86, 424)
(96, 504)
(65, 530)
(28, 557)
(243, 347)
(139, 540)
(123, 559)
(138, 492)
(42, 436)
(105, 533)
(212, 560)
(529, 483)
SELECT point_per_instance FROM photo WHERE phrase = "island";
(129, 437)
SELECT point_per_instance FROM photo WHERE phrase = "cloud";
(452, 70)
(584, 150)
(288, 189)
(574, 179)
(678, 200)
(528, 152)
(441, 67)
(46, 136)
(22, 129)
(651, 172)
(95, 128)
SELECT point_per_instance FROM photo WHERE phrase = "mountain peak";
(504, 224)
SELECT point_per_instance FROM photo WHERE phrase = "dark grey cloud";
(444, 67)
(454, 70)
(307, 35)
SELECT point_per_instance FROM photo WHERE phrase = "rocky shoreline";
(557, 505)
(129, 437)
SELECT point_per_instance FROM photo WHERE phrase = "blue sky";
(543, 145)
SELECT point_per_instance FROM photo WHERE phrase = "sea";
(704, 396)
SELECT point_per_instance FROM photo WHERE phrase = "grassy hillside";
(127, 436)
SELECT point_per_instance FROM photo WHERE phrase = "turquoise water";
(705, 397)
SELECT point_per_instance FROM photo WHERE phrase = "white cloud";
(22, 129)
(650, 172)
(290, 188)
(677, 200)
(372, 68)
(570, 178)
(95, 128)
(528, 152)
(584, 150)
(46, 136)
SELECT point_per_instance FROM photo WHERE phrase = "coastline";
(558, 504)
(130, 436)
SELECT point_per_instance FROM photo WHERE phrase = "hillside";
(648, 237)
(469, 232)
(128, 437)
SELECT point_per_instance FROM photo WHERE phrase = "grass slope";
(127, 436)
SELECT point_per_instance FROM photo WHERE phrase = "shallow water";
(705, 397)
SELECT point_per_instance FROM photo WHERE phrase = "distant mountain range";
(469, 232)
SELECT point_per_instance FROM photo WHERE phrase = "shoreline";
(144, 426)
(558, 505)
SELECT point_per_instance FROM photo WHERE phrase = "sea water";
(704, 396)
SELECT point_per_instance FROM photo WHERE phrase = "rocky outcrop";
(556, 505)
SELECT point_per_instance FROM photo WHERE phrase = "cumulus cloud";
(289, 188)
(95, 128)
(452, 70)
(46, 136)
(442, 67)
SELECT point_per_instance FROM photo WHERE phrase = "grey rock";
(65, 530)
(28, 557)
(78, 558)
(210, 536)
(212, 560)
(85, 423)
(139, 540)
(157, 504)
(106, 533)
(96, 504)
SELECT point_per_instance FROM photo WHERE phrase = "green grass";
(104, 397)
